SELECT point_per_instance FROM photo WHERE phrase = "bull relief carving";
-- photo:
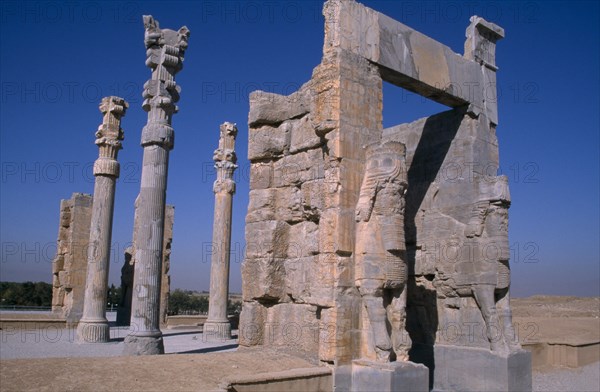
(380, 254)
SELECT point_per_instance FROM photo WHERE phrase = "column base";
(143, 345)
(389, 376)
(216, 331)
(93, 331)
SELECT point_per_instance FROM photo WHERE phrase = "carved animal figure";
(380, 250)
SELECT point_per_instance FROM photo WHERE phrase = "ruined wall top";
(413, 60)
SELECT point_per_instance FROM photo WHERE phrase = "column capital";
(109, 135)
(225, 158)
(165, 50)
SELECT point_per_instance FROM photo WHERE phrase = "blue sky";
(59, 59)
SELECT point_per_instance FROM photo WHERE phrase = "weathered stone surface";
(268, 142)
(471, 369)
(299, 331)
(262, 205)
(69, 267)
(298, 168)
(268, 238)
(270, 108)
(263, 279)
(165, 280)
(261, 175)
(252, 321)
(395, 376)
(303, 135)
(127, 271)
(288, 204)
(303, 240)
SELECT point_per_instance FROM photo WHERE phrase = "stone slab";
(295, 380)
(393, 376)
(479, 370)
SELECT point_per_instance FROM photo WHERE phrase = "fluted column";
(93, 326)
(217, 325)
(164, 50)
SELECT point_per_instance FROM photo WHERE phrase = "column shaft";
(219, 272)
(149, 242)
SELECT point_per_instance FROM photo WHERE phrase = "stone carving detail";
(225, 159)
(380, 252)
(165, 50)
(93, 327)
(487, 234)
(217, 326)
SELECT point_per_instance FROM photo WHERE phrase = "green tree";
(26, 294)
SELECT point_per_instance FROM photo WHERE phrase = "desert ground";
(47, 361)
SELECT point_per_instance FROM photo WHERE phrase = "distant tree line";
(181, 302)
(26, 294)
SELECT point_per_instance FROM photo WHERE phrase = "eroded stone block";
(270, 108)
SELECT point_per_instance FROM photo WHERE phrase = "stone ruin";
(361, 249)
(69, 266)
(362, 253)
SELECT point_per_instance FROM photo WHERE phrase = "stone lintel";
(406, 57)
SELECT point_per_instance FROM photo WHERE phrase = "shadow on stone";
(210, 349)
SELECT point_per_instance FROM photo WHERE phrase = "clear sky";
(59, 59)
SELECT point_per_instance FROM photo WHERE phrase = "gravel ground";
(582, 379)
(53, 342)
(60, 343)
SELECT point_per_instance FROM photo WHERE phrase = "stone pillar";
(165, 50)
(217, 326)
(93, 326)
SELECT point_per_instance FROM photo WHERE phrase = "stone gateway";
(360, 256)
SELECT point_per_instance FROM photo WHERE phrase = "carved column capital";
(225, 159)
(109, 136)
(165, 51)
